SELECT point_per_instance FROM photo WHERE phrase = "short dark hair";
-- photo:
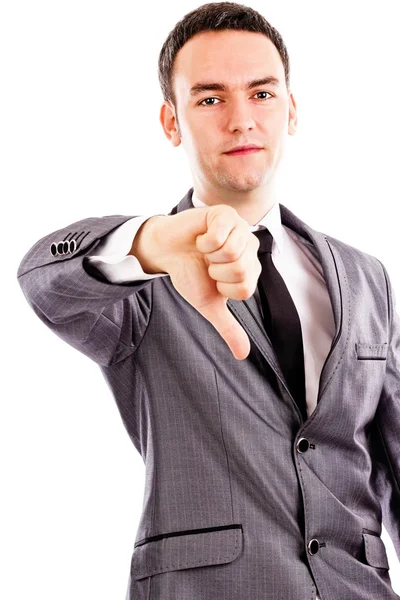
(212, 17)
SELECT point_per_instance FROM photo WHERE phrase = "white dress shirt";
(295, 258)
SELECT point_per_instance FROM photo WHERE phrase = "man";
(260, 384)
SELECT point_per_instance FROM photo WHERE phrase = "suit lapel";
(249, 316)
(338, 288)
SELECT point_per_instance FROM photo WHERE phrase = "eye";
(213, 98)
(205, 99)
(264, 92)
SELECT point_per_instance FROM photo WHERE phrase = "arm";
(106, 322)
(386, 429)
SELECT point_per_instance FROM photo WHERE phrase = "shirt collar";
(272, 220)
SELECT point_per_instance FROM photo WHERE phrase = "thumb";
(218, 314)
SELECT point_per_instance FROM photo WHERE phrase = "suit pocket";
(375, 550)
(186, 550)
(367, 351)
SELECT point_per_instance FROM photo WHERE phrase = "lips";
(243, 150)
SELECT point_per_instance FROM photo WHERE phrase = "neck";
(252, 206)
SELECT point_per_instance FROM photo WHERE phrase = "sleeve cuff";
(112, 258)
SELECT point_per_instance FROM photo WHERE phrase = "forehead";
(230, 56)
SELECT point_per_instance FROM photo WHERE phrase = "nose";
(240, 115)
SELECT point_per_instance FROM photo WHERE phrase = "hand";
(211, 255)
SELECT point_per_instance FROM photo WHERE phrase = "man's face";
(211, 122)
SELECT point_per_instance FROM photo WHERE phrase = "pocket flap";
(371, 351)
(375, 551)
(186, 549)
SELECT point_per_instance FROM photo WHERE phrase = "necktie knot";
(265, 237)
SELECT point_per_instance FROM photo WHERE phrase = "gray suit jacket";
(243, 498)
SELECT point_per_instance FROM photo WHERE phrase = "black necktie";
(281, 321)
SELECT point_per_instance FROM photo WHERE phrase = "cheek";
(203, 146)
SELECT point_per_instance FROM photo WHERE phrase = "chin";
(249, 184)
(243, 187)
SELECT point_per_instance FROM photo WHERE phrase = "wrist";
(146, 245)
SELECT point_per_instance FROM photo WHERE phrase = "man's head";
(232, 45)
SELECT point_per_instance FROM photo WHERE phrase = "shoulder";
(353, 255)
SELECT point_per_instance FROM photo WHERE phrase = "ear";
(169, 122)
(292, 115)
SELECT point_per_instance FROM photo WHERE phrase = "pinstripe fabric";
(233, 498)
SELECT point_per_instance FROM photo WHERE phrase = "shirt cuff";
(112, 258)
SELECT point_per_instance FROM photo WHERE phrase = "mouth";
(243, 151)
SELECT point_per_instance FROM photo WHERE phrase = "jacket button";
(53, 249)
(302, 445)
(313, 546)
(72, 245)
(60, 247)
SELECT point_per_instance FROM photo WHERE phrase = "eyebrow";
(206, 86)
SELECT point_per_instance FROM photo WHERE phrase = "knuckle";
(218, 237)
(223, 213)
(239, 271)
(245, 290)
(232, 255)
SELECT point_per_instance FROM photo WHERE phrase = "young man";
(259, 383)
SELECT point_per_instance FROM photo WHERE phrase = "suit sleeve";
(112, 258)
(103, 320)
(386, 429)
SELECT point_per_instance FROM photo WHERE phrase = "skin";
(209, 253)
(264, 115)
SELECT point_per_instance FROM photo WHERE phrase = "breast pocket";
(366, 351)
(186, 549)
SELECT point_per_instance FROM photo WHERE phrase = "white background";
(80, 136)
